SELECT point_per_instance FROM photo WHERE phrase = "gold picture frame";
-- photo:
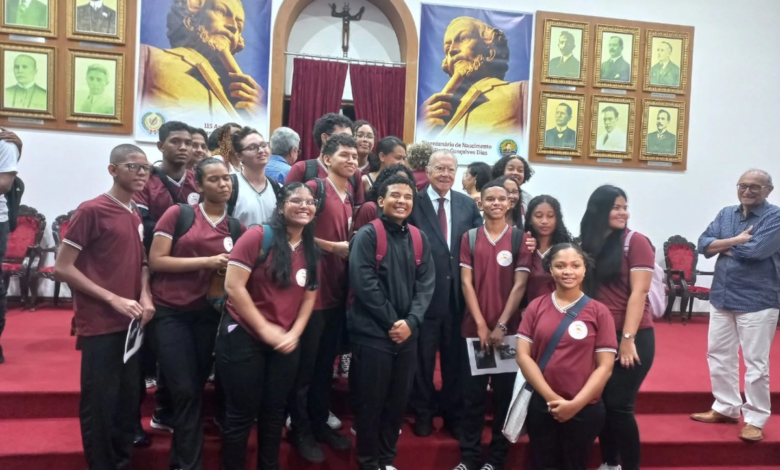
(661, 145)
(105, 25)
(40, 19)
(666, 61)
(611, 72)
(555, 68)
(89, 75)
(619, 114)
(29, 99)
(555, 138)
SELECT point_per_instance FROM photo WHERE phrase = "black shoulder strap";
(312, 169)
(172, 189)
(183, 222)
(472, 242)
(234, 225)
(231, 204)
(320, 196)
(517, 241)
(275, 186)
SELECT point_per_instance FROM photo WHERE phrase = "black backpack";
(13, 199)
(187, 218)
(231, 204)
(320, 197)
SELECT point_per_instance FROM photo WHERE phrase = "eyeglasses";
(255, 147)
(136, 167)
(442, 169)
(296, 201)
(364, 136)
(512, 193)
(754, 188)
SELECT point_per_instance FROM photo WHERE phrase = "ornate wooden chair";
(28, 234)
(681, 259)
(37, 272)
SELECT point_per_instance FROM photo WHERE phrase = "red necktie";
(442, 217)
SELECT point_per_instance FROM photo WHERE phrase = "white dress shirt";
(447, 210)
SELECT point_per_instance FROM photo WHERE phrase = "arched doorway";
(402, 22)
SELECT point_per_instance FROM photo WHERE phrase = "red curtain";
(317, 89)
(379, 95)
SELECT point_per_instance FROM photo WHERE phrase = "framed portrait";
(663, 131)
(612, 127)
(99, 22)
(617, 56)
(95, 87)
(561, 123)
(666, 67)
(565, 54)
(29, 17)
(27, 81)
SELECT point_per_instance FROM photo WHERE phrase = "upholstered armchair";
(30, 226)
(681, 259)
(37, 272)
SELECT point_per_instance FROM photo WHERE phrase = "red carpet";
(39, 426)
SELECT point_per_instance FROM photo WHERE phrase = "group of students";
(344, 262)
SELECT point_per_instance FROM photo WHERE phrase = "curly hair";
(500, 166)
(561, 234)
(418, 155)
(494, 40)
(373, 194)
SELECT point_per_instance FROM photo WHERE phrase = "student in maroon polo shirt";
(270, 300)
(544, 221)
(565, 413)
(621, 280)
(102, 259)
(365, 135)
(369, 210)
(184, 329)
(390, 151)
(494, 279)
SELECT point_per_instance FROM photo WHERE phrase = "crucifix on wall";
(345, 18)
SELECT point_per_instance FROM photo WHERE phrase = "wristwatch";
(628, 336)
(503, 327)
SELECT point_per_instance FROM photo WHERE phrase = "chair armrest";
(705, 273)
(32, 259)
(670, 281)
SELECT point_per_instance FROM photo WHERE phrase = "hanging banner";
(473, 92)
(204, 62)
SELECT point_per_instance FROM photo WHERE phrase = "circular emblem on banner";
(507, 147)
(193, 199)
(578, 330)
(300, 277)
(141, 232)
(152, 121)
(228, 244)
(504, 258)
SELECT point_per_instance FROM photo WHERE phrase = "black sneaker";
(307, 447)
(333, 439)
(160, 422)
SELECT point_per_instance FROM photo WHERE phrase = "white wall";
(733, 122)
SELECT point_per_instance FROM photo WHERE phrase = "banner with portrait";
(204, 62)
(473, 93)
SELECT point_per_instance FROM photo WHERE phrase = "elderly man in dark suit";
(616, 69)
(444, 215)
(94, 17)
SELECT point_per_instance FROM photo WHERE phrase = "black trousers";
(309, 400)
(3, 287)
(257, 381)
(620, 437)
(474, 399)
(380, 383)
(163, 403)
(109, 394)
(439, 334)
(562, 446)
(183, 343)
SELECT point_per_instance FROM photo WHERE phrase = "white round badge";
(578, 330)
(504, 258)
(193, 199)
(300, 277)
(141, 232)
(228, 244)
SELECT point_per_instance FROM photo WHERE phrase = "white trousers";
(753, 332)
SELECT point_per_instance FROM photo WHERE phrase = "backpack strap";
(417, 244)
(231, 203)
(381, 241)
(265, 248)
(627, 243)
(311, 170)
(320, 195)
(234, 226)
(472, 236)
(184, 222)
(518, 236)
(275, 186)
(172, 189)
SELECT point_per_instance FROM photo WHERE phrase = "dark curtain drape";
(378, 93)
(317, 88)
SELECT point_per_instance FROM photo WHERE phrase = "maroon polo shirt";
(333, 224)
(615, 294)
(278, 306)
(109, 236)
(574, 359)
(156, 198)
(367, 213)
(187, 291)
(493, 267)
(298, 171)
(540, 281)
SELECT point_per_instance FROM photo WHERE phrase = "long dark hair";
(500, 166)
(517, 212)
(280, 267)
(481, 172)
(373, 194)
(606, 252)
(561, 233)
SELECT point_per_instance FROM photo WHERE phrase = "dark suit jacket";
(36, 15)
(90, 21)
(617, 71)
(568, 69)
(670, 76)
(568, 141)
(665, 143)
(465, 216)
